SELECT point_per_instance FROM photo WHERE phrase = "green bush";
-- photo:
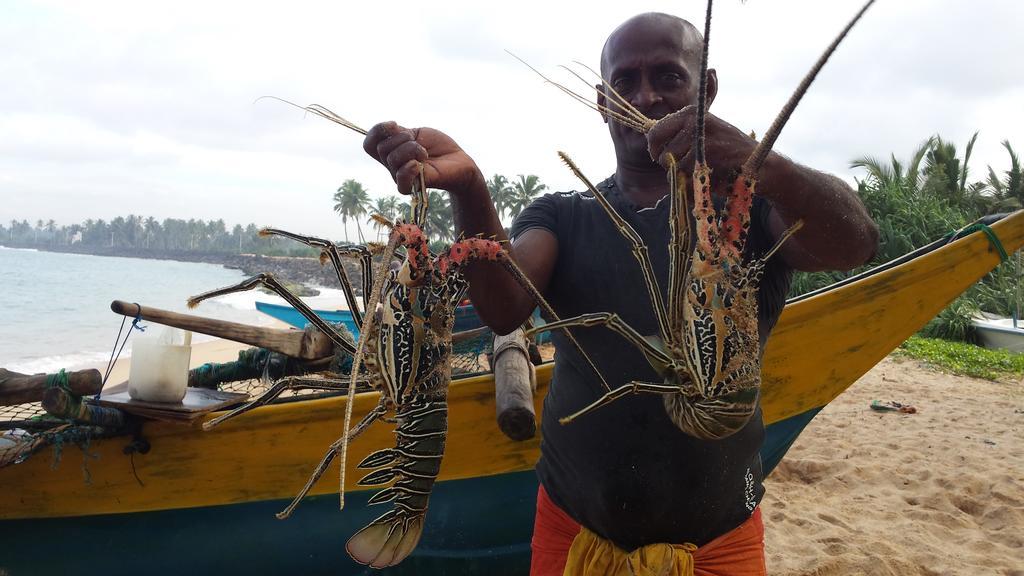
(921, 201)
(964, 359)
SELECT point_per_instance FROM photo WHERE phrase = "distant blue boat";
(465, 317)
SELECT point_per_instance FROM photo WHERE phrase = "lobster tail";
(386, 541)
(413, 465)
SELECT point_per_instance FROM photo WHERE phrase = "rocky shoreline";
(304, 273)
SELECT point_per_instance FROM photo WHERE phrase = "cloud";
(110, 105)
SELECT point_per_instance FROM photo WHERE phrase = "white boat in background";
(1000, 333)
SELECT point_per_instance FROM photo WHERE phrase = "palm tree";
(440, 224)
(524, 190)
(501, 193)
(386, 207)
(894, 176)
(151, 228)
(946, 175)
(351, 201)
(1008, 193)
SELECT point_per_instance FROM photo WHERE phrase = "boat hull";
(465, 317)
(1000, 334)
(213, 494)
(475, 526)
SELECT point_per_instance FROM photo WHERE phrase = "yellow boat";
(207, 499)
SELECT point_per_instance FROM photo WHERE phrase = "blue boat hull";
(475, 526)
(478, 525)
(465, 317)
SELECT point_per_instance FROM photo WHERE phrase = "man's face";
(653, 63)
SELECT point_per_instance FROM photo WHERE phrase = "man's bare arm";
(838, 233)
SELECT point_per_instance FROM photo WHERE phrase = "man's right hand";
(402, 151)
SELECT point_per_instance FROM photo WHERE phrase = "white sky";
(111, 108)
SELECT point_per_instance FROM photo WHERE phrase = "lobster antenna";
(636, 114)
(757, 157)
(632, 123)
(357, 359)
(702, 90)
(320, 111)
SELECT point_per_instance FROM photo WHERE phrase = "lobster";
(707, 348)
(403, 351)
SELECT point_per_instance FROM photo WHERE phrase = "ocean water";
(55, 308)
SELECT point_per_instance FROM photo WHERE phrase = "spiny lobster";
(405, 343)
(707, 348)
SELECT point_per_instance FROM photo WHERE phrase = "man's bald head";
(651, 24)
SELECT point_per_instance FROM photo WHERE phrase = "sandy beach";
(936, 492)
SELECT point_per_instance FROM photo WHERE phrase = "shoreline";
(303, 271)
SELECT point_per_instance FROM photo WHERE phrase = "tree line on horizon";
(351, 202)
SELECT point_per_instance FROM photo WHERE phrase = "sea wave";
(76, 361)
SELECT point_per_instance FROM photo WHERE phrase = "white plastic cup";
(159, 371)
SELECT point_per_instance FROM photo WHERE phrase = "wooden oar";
(306, 345)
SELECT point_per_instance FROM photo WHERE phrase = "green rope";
(60, 380)
(992, 238)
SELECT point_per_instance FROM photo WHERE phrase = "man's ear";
(712, 86)
(602, 102)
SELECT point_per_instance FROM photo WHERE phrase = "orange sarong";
(560, 546)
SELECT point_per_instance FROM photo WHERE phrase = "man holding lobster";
(623, 484)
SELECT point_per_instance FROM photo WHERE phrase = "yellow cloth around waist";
(594, 556)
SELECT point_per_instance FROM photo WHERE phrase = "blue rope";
(116, 352)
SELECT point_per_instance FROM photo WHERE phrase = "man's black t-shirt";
(625, 470)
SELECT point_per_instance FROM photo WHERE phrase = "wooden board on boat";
(196, 403)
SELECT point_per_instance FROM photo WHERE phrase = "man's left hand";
(726, 148)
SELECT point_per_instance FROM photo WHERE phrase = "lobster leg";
(334, 252)
(679, 245)
(470, 249)
(639, 251)
(656, 356)
(271, 283)
(520, 277)
(337, 447)
(279, 387)
(629, 388)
